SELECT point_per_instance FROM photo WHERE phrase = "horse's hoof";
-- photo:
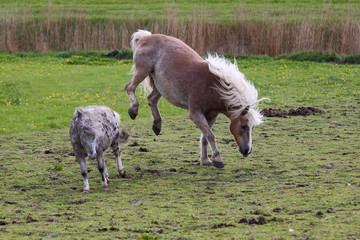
(132, 114)
(85, 191)
(156, 130)
(218, 164)
(122, 174)
(207, 163)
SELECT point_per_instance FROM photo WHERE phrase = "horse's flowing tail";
(148, 83)
(136, 36)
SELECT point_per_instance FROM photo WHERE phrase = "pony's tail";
(124, 135)
(136, 37)
(148, 83)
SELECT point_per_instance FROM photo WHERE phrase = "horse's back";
(176, 69)
(158, 46)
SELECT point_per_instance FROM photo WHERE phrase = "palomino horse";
(204, 87)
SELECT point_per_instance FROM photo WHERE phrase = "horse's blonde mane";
(235, 89)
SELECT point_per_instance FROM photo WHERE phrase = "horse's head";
(242, 131)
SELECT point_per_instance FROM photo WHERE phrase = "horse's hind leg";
(204, 144)
(153, 99)
(141, 72)
(116, 149)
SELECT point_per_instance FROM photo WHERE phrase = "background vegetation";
(232, 27)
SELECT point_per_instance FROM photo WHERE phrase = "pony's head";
(241, 127)
(241, 100)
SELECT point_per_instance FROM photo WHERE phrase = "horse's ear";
(245, 111)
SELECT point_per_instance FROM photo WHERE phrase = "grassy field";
(302, 180)
(149, 9)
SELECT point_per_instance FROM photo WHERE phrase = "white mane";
(236, 90)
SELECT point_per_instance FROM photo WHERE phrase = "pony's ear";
(245, 111)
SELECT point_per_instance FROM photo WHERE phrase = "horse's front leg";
(204, 144)
(130, 87)
(80, 157)
(200, 121)
(102, 169)
(153, 99)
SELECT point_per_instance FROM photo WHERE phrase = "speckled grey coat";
(94, 129)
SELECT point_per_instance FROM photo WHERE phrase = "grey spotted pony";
(94, 129)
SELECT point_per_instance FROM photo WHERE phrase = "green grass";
(301, 181)
(221, 10)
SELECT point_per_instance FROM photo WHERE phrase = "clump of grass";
(92, 60)
(353, 58)
(312, 56)
(56, 168)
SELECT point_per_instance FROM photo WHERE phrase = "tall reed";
(241, 35)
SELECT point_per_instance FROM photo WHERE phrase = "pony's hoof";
(85, 191)
(122, 174)
(156, 130)
(207, 163)
(132, 114)
(218, 164)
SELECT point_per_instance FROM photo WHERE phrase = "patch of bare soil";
(222, 225)
(301, 111)
(261, 220)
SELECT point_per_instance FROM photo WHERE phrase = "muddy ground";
(301, 111)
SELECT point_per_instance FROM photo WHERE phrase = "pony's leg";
(116, 149)
(139, 76)
(153, 99)
(80, 157)
(200, 121)
(204, 144)
(102, 169)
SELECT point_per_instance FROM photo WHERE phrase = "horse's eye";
(243, 126)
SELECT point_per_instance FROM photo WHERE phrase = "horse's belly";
(172, 93)
(175, 100)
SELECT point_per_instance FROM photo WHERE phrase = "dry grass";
(332, 31)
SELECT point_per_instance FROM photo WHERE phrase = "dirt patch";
(112, 229)
(261, 220)
(154, 171)
(142, 149)
(301, 111)
(30, 219)
(79, 202)
(222, 225)
(155, 231)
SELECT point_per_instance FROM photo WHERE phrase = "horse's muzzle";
(245, 152)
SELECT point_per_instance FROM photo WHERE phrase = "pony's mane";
(235, 89)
